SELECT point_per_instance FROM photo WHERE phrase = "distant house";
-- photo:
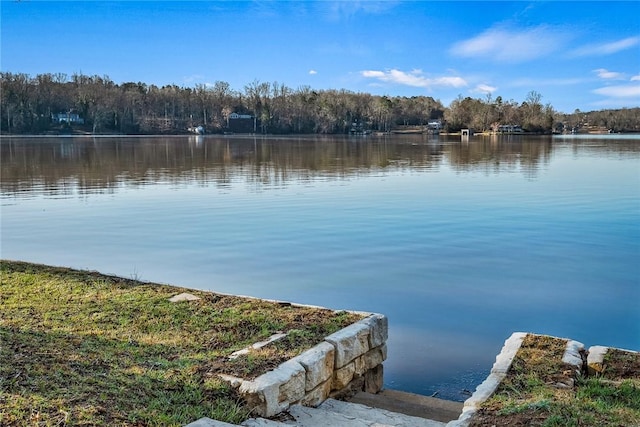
(510, 129)
(236, 116)
(67, 117)
(198, 130)
(241, 123)
(434, 125)
(358, 128)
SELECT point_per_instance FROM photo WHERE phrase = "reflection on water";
(55, 165)
(98, 164)
(460, 244)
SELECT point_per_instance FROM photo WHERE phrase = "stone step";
(378, 416)
(339, 413)
(263, 422)
(317, 417)
(208, 422)
(344, 414)
(411, 404)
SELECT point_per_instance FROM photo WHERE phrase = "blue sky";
(577, 55)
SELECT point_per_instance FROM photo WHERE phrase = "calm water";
(459, 244)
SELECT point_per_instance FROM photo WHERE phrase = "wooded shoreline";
(58, 104)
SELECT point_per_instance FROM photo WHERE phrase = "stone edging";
(499, 371)
(347, 361)
(595, 358)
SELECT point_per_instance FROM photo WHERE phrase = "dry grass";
(82, 348)
(540, 390)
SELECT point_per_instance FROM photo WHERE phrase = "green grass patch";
(82, 348)
(540, 390)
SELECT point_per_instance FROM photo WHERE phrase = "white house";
(240, 116)
(434, 124)
(510, 129)
(68, 117)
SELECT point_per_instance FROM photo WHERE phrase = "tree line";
(30, 104)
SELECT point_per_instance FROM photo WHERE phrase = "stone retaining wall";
(499, 371)
(572, 356)
(347, 361)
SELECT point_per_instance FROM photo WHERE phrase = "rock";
(343, 376)
(318, 364)
(273, 392)
(350, 342)
(595, 358)
(184, 297)
(318, 395)
(378, 329)
(256, 346)
(374, 380)
(234, 382)
(572, 355)
(375, 357)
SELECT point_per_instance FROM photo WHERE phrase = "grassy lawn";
(82, 348)
(540, 390)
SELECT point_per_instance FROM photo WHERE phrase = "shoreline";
(55, 328)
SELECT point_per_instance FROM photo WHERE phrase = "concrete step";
(251, 422)
(263, 422)
(208, 422)
(411, 404)
(386, 409)
(377, 416)
(317, 417)
(344, 414)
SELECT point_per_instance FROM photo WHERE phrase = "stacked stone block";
(346, 362)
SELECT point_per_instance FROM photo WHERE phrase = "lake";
(459, 244)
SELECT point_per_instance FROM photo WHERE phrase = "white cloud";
(374, 74)
(313, 72)
(621, 91)
(508, 45)
(414, 78)
(607, 48)
(449, 81)
(635, 78)
(606, 74)
(486, 89)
